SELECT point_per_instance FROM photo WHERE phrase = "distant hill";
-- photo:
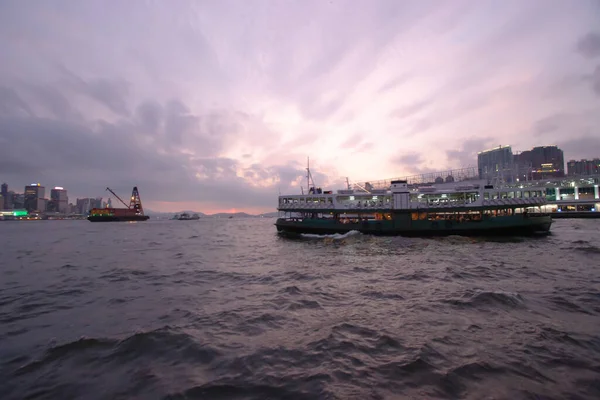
(168, 215)
(234, 215)
(269, 214)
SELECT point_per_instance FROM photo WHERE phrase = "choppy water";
(226, 309)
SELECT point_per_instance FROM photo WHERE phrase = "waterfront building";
(18, 200)
(85, 205)
(539, 163)
(583, 167)
(4, 196)
(59, 201)
(34, 198)
(496, 165)
(568, 194)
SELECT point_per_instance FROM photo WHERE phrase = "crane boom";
(117, 197)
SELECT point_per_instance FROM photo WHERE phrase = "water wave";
(179, 311)
(335, 236)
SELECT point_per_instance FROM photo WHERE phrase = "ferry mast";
(309, 177)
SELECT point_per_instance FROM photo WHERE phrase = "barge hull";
(118, 218)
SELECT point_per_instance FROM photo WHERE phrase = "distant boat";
(188, 217)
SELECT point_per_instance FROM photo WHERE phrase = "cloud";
(407, 111)
(394, 83)
(12, 104)
(412, 163)
(586, 147)
(199, 105)
(358, 143)
(589, 45)
(88, 157)
(467, 155)
(549, 124)
(596, 80)
(555, 127)
(110, 93)
(53, 102)
(412, 158)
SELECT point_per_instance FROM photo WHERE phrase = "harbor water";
(227, 309)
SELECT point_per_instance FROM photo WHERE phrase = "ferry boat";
(132, 212)
(461, 208)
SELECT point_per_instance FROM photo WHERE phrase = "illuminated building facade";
(539, 163)
(583, 167)
(496, 164)
(59, 201)
(34, 198)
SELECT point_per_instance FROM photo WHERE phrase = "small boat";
(132, 212)
(188, 217)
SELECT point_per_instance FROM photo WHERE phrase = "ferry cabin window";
(511, 195)
(585, 193)
(414, 216)
(526, 195)
(471, 197)
(519, 194)
(486, 196)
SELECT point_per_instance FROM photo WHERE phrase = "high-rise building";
(540, 162)
(85, 205)
(59, 201)
(4, 196)
(34, 198)
(9, 200)
(18, 200)
(583, 167)
(496, 164)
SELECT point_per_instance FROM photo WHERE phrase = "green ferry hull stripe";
(510, 225)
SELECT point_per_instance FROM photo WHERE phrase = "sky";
(214, 106)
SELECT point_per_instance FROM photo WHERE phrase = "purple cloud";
(197, 104)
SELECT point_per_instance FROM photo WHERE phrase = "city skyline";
(206, 109)
(537, 163)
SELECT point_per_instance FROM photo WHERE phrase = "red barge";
(133, 212)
